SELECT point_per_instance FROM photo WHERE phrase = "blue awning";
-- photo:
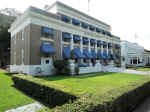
(109, 55)
(75, 21)
(78, 54)
(109, 45)
(92, 41)
(99, 43)
(92, 28)
(103, 32)
(99, 54)
(94, 54)
(108, 33)
(118, 55)
(47, 48)
(85, 40)
(105, 56)
(47, 30)
(87, 54)
(66, 35)
(65, 18)
(76, 38)
(84, 25)
(66, 52)
(104, 44)
(117, 46)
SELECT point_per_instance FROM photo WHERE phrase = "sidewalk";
(136, 72)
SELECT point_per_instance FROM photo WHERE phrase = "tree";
(4, 45)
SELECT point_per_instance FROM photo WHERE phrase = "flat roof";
(75, 10)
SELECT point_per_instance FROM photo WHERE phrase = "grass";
(141, 69)
(9, 96)
(96, 83)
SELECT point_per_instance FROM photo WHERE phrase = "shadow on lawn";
(82, 76)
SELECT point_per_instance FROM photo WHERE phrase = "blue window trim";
(94, 54)
(65, 18)
(99, 54)
(87, 54)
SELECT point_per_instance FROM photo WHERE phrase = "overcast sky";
(126, 17)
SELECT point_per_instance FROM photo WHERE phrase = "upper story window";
(66, 36)
(65, 18)
(99, 43)
(75, 22)
(117, 46)
(22, 34)
(85, 40)
(47, 32)
(109, 45)
(76, 38)
(92, 28)
(93, 41)
(84, 25)
(104, 44)
(108, 33)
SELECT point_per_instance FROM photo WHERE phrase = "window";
(22, 35)
(47, 61)
(22, 54)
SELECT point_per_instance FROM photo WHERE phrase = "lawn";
(9, 96)
(141, 69)
(95, 83)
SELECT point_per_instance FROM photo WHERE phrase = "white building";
(146, 57)
(133, 53)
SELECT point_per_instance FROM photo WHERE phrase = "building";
(133, 53)
(39, 37)
(146, 57)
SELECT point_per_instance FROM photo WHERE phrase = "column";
(72, 43)
(89, 49)
(96, 47)
(81, 48)
(102, 49)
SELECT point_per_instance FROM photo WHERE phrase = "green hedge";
(47, 95)
(123, 99)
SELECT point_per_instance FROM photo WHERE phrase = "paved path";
(27, 108)
(136, 72)
(144, 107)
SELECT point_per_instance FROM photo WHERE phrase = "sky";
(128, 18)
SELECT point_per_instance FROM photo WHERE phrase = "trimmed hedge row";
(123, 99)
(47, 95)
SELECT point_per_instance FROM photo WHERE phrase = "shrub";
(61, 67)
(76, 70)
(46, 94)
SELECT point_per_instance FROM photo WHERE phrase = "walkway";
(27, 108)
(136, 72)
